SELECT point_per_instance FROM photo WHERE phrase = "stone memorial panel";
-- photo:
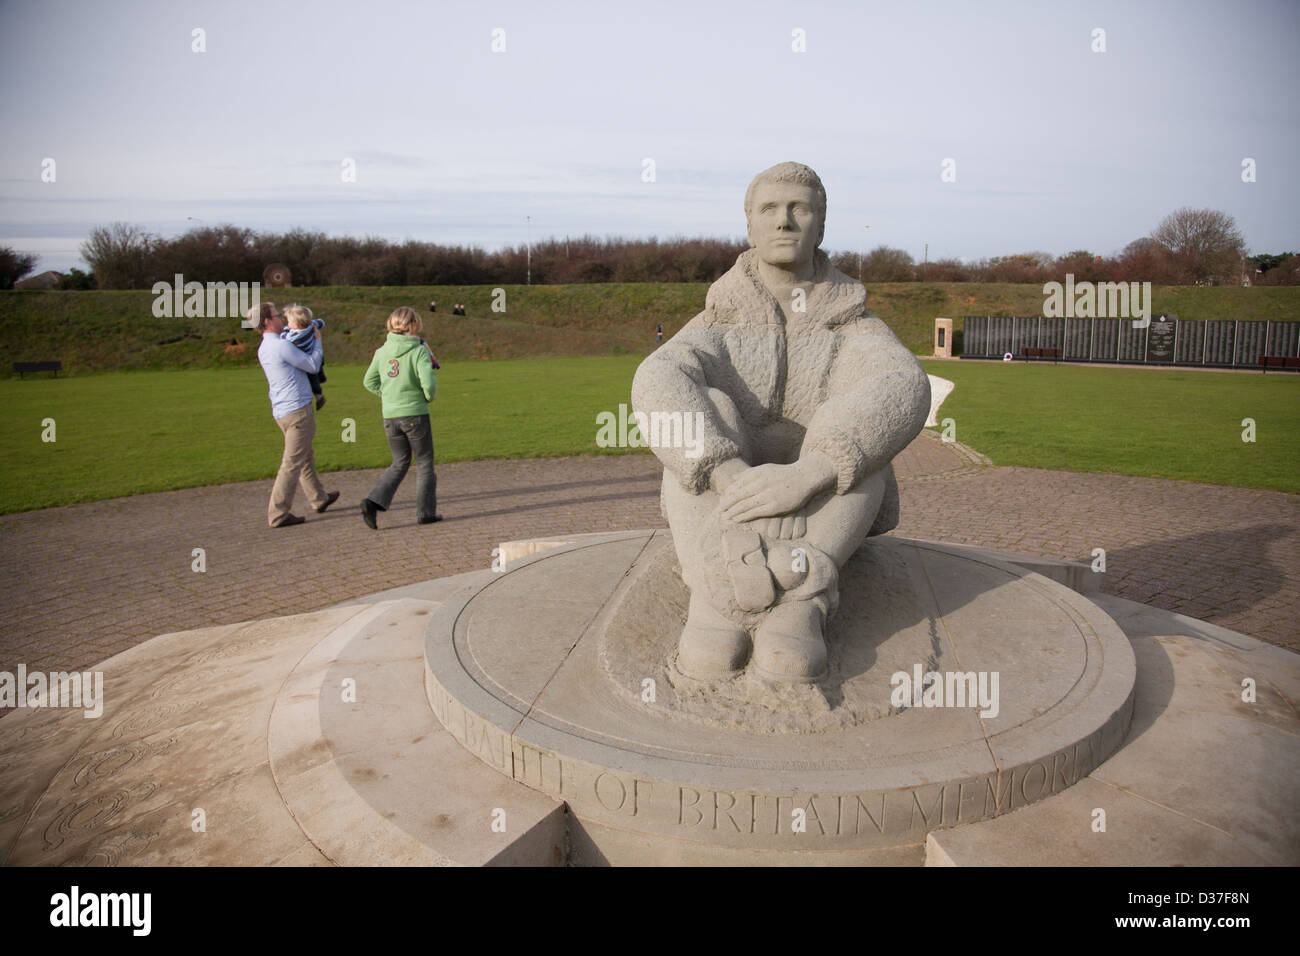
(1052, 332)
(999, 341)
(1251, 341)
(1218, 343)
(1284, 339)
(1026, 335)
(1078, 335)
(1132, 342)
(1190, 343)
(975, 334)
(1104, 339)
(1160, 339)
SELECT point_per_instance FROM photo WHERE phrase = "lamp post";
(528, 245)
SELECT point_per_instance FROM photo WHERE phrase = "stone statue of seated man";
(802, 398)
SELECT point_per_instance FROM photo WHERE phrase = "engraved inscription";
(1040, 777)
(746, 817)
(538, 768)
(758, 813)
(614, 794)
(931, 818)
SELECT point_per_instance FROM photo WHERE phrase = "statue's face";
(784, 225)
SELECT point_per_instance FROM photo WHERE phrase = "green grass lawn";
(1157, 423)
(131, 432)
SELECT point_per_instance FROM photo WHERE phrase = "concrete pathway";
(82, 583)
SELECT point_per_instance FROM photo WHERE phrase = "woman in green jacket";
(401, 373)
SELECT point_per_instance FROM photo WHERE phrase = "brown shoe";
(291, 520)
(329, 500)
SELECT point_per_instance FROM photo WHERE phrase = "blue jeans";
(409, 437)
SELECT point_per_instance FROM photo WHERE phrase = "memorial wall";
(1165, 340)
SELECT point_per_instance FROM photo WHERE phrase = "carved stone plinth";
(558, 673)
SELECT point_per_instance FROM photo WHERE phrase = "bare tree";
(1204, 243)
(119, 255)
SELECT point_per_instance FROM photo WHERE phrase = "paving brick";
(81, 583)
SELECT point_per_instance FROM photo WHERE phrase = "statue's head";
(785, 213)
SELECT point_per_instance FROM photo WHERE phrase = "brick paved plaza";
(82, 583)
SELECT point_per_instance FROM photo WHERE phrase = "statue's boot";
(711, 647)
(747, 568)
(789, 645)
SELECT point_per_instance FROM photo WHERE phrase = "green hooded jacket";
(401, 373)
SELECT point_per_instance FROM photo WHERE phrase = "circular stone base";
(640, 641)
(559, 674)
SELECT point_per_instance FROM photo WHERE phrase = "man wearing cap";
(286, 367)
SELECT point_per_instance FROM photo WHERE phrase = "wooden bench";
(1033, 352)
(1267, 362)
(22, 367)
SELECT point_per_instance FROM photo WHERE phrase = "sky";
(498, 123)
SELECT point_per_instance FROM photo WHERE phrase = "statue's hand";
(785, 528)
(769, 491)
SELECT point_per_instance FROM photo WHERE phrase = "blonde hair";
(298, 316)
(405, 321)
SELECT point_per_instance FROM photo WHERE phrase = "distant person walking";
(401, 373)
(659, 334)
(286, 367)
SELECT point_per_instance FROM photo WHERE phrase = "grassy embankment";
(116, 331)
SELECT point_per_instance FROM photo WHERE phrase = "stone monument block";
(943, 338)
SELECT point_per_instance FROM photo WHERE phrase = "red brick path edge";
(82, 583)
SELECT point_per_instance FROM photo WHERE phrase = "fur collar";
(740, 298)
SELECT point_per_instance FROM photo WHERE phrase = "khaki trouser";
(297, 466)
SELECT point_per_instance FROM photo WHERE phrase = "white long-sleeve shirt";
(286, 367)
